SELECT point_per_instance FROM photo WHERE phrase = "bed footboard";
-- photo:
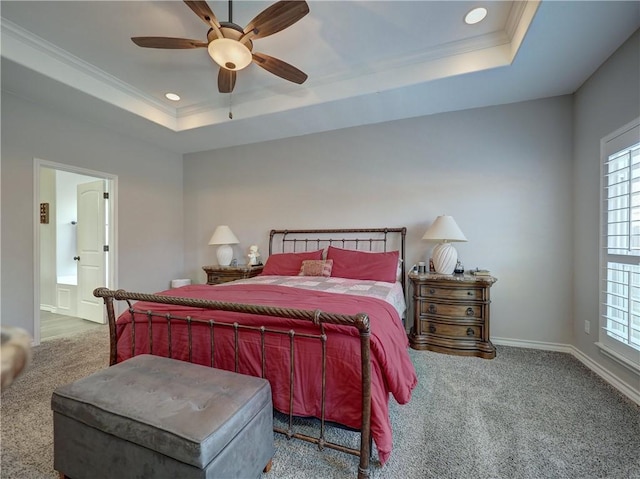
(315, 318)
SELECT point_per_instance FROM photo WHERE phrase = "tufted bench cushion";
(156, 417)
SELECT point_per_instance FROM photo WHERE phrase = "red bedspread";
(392, 369)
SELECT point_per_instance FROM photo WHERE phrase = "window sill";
(618, 358)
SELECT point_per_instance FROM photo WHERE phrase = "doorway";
(74, 250)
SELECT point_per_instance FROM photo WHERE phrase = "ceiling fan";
(231, 46)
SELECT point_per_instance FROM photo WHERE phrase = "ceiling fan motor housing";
(229, 30)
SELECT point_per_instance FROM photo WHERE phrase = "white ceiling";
(367, 61)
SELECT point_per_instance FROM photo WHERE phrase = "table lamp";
(444, 230)
(224, 237)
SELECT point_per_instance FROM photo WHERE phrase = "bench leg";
(267, 468)
(62, 476)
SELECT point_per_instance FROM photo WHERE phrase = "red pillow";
(352, 264)
(288, 264)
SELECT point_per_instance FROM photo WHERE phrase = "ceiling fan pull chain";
(230, 113)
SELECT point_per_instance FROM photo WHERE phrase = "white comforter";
(392, 293)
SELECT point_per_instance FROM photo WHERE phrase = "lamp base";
(224, 254)
(444, 257)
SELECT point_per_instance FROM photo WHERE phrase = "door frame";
(113, 227)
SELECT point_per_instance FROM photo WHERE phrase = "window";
(620, 259)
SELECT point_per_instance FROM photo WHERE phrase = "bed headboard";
(364, 239)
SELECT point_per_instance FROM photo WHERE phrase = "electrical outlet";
(587, 326)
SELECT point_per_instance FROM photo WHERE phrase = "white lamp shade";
(230, 53)
(444, 229)
(223, 235)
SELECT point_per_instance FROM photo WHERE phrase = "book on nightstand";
(480, 272)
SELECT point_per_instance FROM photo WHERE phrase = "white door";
(91, 255)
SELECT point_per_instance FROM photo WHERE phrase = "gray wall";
(607, 101)
(504, 173)
(150, 235)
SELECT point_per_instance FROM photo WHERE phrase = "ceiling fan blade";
(279, 68)
(277, 17)
(226, 80)
(203, 10)
(167, 42)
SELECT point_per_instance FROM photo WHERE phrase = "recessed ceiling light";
(476, 15)
(173, 97)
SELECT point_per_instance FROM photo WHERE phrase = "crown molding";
(31, 51)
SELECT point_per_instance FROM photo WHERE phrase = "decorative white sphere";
(444, 257)
(224, 255)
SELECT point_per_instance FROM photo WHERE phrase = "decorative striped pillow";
(316, 267)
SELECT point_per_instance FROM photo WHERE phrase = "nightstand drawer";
(224, 274)
(217, 279)
(469, 311)
(431, 291)
(451, 330)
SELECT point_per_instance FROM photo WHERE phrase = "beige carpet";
(26, 420)
(527, 414)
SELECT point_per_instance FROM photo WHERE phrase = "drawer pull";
(432, 291)
(469, 311)
(469, 293)
(432, 329)
(433, 308)
(470, 332)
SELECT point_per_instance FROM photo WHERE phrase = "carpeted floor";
(526, 414)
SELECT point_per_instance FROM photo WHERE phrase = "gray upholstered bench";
(154, 417)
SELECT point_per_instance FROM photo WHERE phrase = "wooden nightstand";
(451, 314)
(223, 274)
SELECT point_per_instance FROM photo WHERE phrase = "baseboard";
(48, 308)
(518, 343)
(610, 378)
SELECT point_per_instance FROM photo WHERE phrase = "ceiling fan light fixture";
(229, 53)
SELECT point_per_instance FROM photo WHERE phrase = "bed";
(323, 323)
